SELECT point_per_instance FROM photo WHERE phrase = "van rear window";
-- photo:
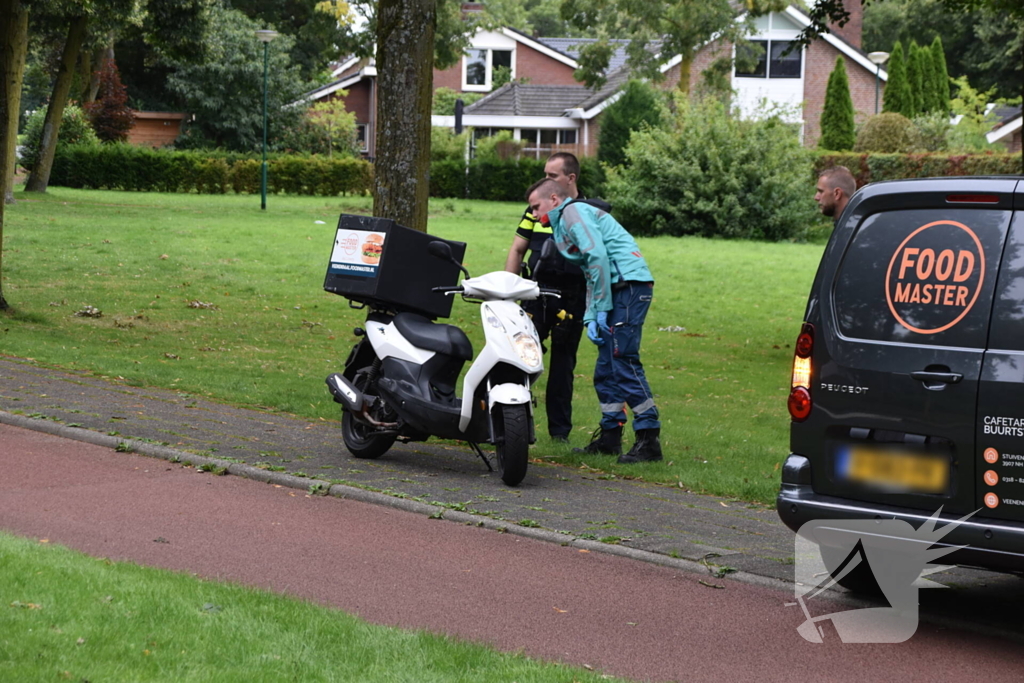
(921, 276)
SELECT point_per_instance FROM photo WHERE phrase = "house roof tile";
(519, 99)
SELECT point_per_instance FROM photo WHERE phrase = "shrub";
(448, 178)
(713, 174)
(899, 98)
(444, 101)
(74, 130)
(110, 115)
(445, 144)
(502, 180)
(932, 131)
(869, 168)
(887, 132)
(213, 176)
(245, 176)
(640, 105)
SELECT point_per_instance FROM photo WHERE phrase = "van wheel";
(513, 449)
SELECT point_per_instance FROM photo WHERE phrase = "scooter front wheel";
(513, 449)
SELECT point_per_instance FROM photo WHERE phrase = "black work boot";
(647, 447)
(604, 442)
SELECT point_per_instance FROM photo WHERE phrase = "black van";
(908, 380)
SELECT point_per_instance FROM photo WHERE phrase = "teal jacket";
(597, 243)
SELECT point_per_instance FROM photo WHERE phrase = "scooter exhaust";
(344, 393)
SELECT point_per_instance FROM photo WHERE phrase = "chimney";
(851, 31)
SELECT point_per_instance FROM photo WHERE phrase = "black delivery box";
(379, 262)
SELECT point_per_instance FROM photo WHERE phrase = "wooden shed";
(155, 128)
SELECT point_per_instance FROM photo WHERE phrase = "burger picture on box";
(356, 252)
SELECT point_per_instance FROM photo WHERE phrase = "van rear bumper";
(991, 544)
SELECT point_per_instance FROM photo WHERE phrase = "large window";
(769, 59)
(543, 143)
(480, 66)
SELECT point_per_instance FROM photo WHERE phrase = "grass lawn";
(66, 616)
(209, 295)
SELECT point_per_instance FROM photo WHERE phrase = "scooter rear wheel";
(361, 440)
(513, 449)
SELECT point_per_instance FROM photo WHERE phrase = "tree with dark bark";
(405, 59)
(13, 50)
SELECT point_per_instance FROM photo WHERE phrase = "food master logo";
(935, 276)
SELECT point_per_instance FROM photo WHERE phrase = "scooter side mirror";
(440, 250)
(443, 251)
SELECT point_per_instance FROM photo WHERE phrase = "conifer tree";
(941, 74)
(837, 130)
(915, 77)
(897, 89)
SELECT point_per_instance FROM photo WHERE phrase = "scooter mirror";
(440, 250)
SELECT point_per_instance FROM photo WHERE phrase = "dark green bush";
(448, 178)
(502, 180)
(715, 175)
(888, 133)
(75, 129)
(245, 176)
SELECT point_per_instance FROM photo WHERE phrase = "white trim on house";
(600, 107)
(540, 47)
(352, 61)
(334, 87)
(838, 43)
(1006, 129)
(482, 121)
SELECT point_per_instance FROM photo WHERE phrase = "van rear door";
(999, 450)
(904, 312)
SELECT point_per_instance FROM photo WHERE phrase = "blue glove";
(595, 327)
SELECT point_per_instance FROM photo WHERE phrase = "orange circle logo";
(991, 500)
(935, 276)
(991, 478)
(991, 456)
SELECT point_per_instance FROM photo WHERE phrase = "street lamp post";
(878, 59)
(264, 36)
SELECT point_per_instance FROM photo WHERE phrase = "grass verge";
(211, 296)
(67, 616)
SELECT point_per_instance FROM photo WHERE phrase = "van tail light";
(800, 402)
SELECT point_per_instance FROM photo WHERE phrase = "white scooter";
(399, 380)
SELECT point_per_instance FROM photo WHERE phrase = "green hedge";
(127, 167)
(871, 168)
(142, 169)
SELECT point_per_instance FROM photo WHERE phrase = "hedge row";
(871, 168)
(142, 169)
(126, 167)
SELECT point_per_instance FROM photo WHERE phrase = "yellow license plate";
(895, 470)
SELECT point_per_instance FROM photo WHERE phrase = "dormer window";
(479, 66)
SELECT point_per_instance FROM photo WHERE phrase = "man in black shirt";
(560, 319)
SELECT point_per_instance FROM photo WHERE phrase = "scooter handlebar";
(453, 288)
(557, 293)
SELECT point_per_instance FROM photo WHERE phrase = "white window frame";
(489, 72)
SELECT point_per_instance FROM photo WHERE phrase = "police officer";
(560, 319)
(619, 292)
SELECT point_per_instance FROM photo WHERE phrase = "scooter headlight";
(527, 348)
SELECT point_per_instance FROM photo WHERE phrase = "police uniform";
(564, 331)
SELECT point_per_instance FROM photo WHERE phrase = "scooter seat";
(445, 339)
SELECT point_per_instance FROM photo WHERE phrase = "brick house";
(552, 111)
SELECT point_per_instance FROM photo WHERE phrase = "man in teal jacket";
(619, 291)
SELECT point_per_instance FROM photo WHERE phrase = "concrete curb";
(322, 487)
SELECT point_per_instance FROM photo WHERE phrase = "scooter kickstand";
(483, 457)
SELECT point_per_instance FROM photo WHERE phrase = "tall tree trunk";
(100, 57)
(684, 73)
(40, 176)
(13, 49)
(405, 68)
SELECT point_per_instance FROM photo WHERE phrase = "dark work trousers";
(564, 338)
(619, 377)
